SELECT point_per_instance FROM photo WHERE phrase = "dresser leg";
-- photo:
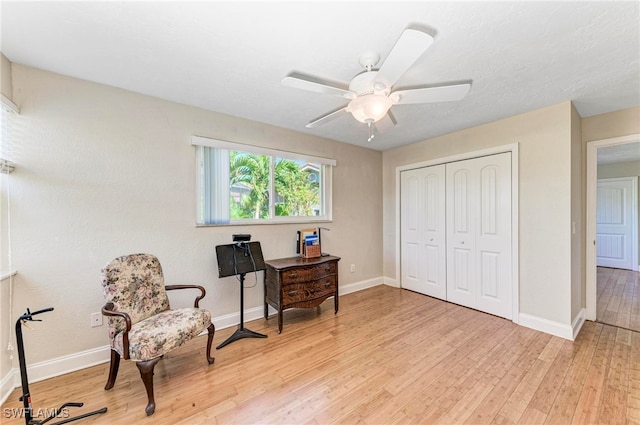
(280, 321)
(335, 303)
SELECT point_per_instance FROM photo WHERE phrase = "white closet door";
(614, 223)
(423, 231)
(479, 234)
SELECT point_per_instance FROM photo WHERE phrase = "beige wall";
(620, 169)
(5, 317)
(5, 77)
(623, 169)
(612, 124)
(578, 295)
(545, 208)
(104, 172)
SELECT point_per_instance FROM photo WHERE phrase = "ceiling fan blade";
(431, 94)
(409, 47)
(303, 82)
(327, 117)
(385, 123)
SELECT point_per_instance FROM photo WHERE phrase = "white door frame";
(515, 252)
(592, 184)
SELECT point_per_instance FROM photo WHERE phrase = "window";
(242, 184)
(7, 110)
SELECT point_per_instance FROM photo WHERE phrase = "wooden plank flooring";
(389, 356)
(618, 298)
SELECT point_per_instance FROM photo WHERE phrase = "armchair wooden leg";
(212, 330)
(146, 373)
(113, 370)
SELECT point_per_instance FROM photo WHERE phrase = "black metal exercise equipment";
(26, 395)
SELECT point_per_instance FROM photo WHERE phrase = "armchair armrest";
(197, 300)
(107, 310)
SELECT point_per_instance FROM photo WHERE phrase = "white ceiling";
(628, 152)
(231, 56)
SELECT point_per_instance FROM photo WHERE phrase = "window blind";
(7, 111)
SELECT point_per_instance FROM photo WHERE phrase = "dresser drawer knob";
(327, 284)
(292, 293)
(293, 275)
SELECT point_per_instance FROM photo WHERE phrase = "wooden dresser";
(298, 282)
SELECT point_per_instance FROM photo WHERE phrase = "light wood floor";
(390, 356)
(618, 298)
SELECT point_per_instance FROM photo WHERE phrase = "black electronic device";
(241, 237)
(239, 258)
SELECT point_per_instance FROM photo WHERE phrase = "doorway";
(611, 292)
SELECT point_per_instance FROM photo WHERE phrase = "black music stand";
(26, 395)
(238, 259)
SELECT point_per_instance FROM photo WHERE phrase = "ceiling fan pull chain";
(371, 135)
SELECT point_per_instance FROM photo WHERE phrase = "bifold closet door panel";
(462, 198)
(478, 211)
(423, 231)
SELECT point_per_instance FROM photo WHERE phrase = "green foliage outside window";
(296, 184)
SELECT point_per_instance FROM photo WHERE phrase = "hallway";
(618, 298)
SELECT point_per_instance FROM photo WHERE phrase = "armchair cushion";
(159, 334)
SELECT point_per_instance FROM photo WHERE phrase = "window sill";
(264, 222)
(7, 275)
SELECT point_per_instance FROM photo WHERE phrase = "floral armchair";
(142, 327)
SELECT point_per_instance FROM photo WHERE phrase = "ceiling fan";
(371, 92)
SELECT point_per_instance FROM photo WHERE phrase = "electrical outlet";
(353, 268)
(96, 319)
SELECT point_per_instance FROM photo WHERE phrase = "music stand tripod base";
(241, 332)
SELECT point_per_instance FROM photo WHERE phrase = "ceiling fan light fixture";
(369, 107)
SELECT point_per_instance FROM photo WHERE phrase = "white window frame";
(326, 177)
(6, 145)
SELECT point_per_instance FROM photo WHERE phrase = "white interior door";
(615, 222)
(423, 231)
(478, 211)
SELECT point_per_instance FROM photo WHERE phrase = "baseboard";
(577, 322)
(255, 313)
(359, 286)
(8, 383)
(84, 359)
(54, 367)
(561, 330)
(391, 282)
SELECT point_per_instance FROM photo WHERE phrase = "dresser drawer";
(305, 274)
(298, 292)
